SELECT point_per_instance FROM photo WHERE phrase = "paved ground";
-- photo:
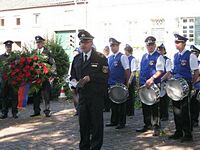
(61, 132)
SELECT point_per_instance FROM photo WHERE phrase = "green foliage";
(62, 66)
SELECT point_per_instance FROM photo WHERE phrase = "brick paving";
(61, 132)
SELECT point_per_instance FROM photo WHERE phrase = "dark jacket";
(96, 68)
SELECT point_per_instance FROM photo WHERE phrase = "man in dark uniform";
(184, 63)
(44, 93)
(90, 70)
(119, 74)
(164, 99)
(151, 68)
(8, 93)
(194, 104)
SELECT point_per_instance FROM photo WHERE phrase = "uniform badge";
(151, 62)
(183, 62)
(105, 69)
(115, 63)
(94, 65)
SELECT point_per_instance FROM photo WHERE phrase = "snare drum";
(149, 96)
(177, 89)
(118, 93)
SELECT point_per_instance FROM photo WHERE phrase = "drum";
(162, 89)
(177, 89)
(118, 93)
(149, 96)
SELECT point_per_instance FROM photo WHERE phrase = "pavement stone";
(61, 132)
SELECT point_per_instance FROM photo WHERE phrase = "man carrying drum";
(184, 63)
(119, 74)
(151, 69)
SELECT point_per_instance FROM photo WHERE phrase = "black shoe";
(110, 124)
(47, 115)
(120, 127)
(176, 136)
(164, 119)
(76, 114)
(195, 124)
(144, 129)
(34, 115)
(15, 116)
(186, 139)
(4, 117)
(156, 132)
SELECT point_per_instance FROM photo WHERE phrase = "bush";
(62, 66)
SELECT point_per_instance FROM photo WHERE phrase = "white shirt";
(133, 65)
(88, 55)
(168, 65)
(193, 61)
(41, 50)
(160, 64)
(124, 60)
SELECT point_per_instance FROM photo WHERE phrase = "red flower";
(17, 70)
(27, 74)
(12, 65)
(29, 60)
(45, 69)
(12, 74)
(27, 67)
(38, 81)
(22, 60)
(31, 68)
(35, 58)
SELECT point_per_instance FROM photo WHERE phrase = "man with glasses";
(151, 69)
(44, 93)
(119, 73)
(184, 63)
(90, 70)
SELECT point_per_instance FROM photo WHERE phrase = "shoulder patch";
(105, 69)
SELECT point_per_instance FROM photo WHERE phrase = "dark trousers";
(151, 115)
(107, 102)
(9, 98)
(44, 95)
(164, 105)
(118, 113)
(91, 122)
(194, 108)
(182, 116)
(131, 100)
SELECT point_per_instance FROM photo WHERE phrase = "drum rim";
(118, 85)
(144, 86)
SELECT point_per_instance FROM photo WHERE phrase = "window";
(184, 27)
(185, 35)
(191, 31)
(36, 18)
(2, 22)
(191, 20)
(191, 27)
(184, 20)
(18, 21)
(184, 31)
(191, 35)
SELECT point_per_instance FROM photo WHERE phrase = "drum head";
(147, 95)
(118, 94)
(174, 90)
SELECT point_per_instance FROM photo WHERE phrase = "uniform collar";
(182, 52)
(88, 54)
(116, 54)
(152, 52)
